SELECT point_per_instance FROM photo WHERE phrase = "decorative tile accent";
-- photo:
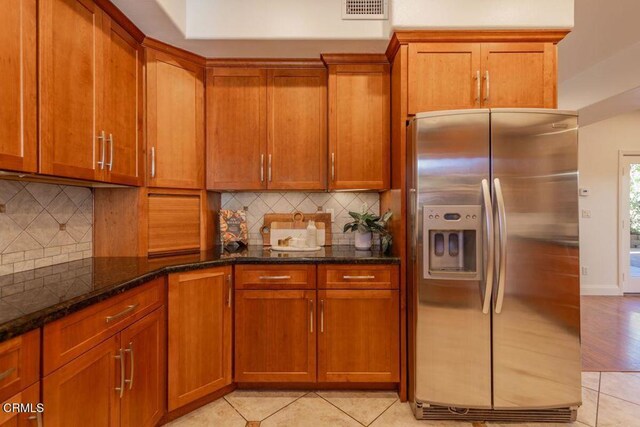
(258, 204)
(43, 224)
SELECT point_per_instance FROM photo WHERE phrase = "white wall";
(599, 146)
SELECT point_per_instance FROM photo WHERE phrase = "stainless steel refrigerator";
(493, 272)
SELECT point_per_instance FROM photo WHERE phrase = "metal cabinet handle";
(478, 86)
(110, 164)
(153, 162)
(488, 285)
(261, 167)
(274, 277)
(311, 316)
(414, 217)
(127, 310)
(229, 296)
(321, 315)
(132, 364)
(37, 418)
(101, 138)
(120, 356)
(269, 168)
(333, 166)
(358, 277)
(488, 83)
(6, 373)
(502, 233)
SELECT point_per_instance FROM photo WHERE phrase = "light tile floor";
(610, 399)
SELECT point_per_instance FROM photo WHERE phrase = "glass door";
(630, 223)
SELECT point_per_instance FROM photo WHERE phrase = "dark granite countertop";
(32, 298)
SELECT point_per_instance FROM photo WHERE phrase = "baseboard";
(601, 290)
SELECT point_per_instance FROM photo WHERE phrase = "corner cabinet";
(359, 132)
(199, 352)
(266, 128)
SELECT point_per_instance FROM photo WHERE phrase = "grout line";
(598, 399)
(234, 408)
(340, 409)
(385, 410)
(287, 405)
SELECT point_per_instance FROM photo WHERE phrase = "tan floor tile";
(591, 380)
(256, 405)
(364, 406)
(623, 385)
(218, 413)
(310, 411)
(613, 412)
(401, 415)
(587, 413)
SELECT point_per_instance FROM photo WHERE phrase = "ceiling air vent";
(364, 9)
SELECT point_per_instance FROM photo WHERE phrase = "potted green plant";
(364, 224)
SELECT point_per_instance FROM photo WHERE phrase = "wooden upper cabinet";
(359, 147)
(236, 129)
(199, 351)
(123, 102)
(519, 75)
(444, 76)
(18, 127)
(71, 79)
(175, 122)
(297, 124)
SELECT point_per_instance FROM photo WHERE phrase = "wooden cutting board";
(295, 221)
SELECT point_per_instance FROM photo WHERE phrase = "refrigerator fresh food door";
(452, 334)
(536, 323)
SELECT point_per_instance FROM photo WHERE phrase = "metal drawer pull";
(261, 167)
(486, 78)
(121, 388)
(127, 310)
(6, 373)
(275, 277)
(333, 166)
(131, 364)
(37, 417)
(311, 315)
(321, 315)
(229, 296)
(269, 168)
(101, 138)
(110, 164)
(358, 277)
(153, 162)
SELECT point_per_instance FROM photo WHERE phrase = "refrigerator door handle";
(502, 234)
(414, 227)
(488, 285)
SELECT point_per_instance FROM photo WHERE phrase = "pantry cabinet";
(199, 352)
(266, 128)
(175, 121)
(18, 89)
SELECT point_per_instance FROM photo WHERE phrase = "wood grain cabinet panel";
(359, 336)
(521, 75)
(260, 276)
(19, 363)
(30, 396)
(275, 336)
(18, 126)
(199, 355)
(175, 122)
(236, 129)
(359, 135)
(297, 129)
(444, 76)
(174, 222)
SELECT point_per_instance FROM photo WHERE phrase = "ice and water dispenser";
(452, 242)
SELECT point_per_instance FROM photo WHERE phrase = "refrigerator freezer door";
(536, 325)
(452, 335)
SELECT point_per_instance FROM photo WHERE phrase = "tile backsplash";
(43, 224)
(258, 204)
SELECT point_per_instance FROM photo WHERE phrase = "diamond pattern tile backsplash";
(43, 224)
(258, 204)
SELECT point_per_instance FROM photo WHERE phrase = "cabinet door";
(175, 122)
(71, 89)
(144, 346)
(22, 419)
(297, 129)
(359, 127)
(199, 333)
(275, 336)
(236, 129)
(18, 86)
(519, 75)
(359, 336)
(444, 76)
(84, 391)
(123, 102)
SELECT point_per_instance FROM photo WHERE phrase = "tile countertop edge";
(40, 318)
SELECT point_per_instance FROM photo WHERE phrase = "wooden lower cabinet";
(275, 336)
(358, 336)
(199, 334)
(31, 396)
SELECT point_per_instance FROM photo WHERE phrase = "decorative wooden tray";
(279, 226)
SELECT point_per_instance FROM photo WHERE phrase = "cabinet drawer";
(31, 396)
(19, 363)
(67, 338)
(174, 223)
(275, 276)
(358, 277)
